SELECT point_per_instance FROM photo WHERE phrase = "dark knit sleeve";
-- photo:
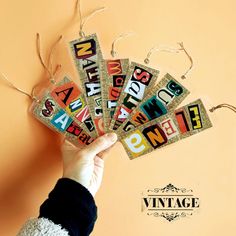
(72, 206)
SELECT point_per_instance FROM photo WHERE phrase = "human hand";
(86, 165)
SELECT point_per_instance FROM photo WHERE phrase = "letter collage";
(118, 96)
(140, 79)
(63, 108)
(113, 77)
(163, 98)
(169, 128)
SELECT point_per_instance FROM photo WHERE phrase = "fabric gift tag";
(163, 98)
(61, 108)
(70, 97)
(184, 122)
(139, 80)
(86, 54)
(114, 73)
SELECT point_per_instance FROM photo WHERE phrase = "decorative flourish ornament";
(169, 188)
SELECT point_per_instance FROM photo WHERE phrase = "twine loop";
(49, 68)
(31, 96)
(85, 20)
(223, 105)
(171, 50)
(121, 36)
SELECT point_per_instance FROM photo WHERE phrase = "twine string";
(171, 50)
(31, 96)
(159, 49)
(225, 105)
(85, 20)
(121, 36)
(181, 44)
(51, 54)
(49, 68)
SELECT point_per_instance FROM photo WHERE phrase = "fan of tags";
(118, 96)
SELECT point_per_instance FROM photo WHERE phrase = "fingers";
(68, 150)
(67, 145)
(104, 153)
(96, 180)
(100, 144)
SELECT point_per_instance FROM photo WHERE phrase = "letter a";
(61, 120)
(155, 136)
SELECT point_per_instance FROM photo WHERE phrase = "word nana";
(167, 129)
(167, 95)
(134, 91)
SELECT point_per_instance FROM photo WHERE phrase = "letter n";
(155, 136)
(83, 115)
(85, 49)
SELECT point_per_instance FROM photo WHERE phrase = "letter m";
(114, 67)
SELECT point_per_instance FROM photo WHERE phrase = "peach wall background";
(30, 161)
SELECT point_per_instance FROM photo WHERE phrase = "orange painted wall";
(30, 161)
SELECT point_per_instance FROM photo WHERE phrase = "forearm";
(69, 205)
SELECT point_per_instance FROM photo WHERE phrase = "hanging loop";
(181, 44)
(49, 68)
(121, 36)
(31, 96)
(159, 49)
(171, 50)
(85, 20)
(225, 105)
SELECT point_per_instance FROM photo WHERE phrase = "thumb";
(100, 144)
